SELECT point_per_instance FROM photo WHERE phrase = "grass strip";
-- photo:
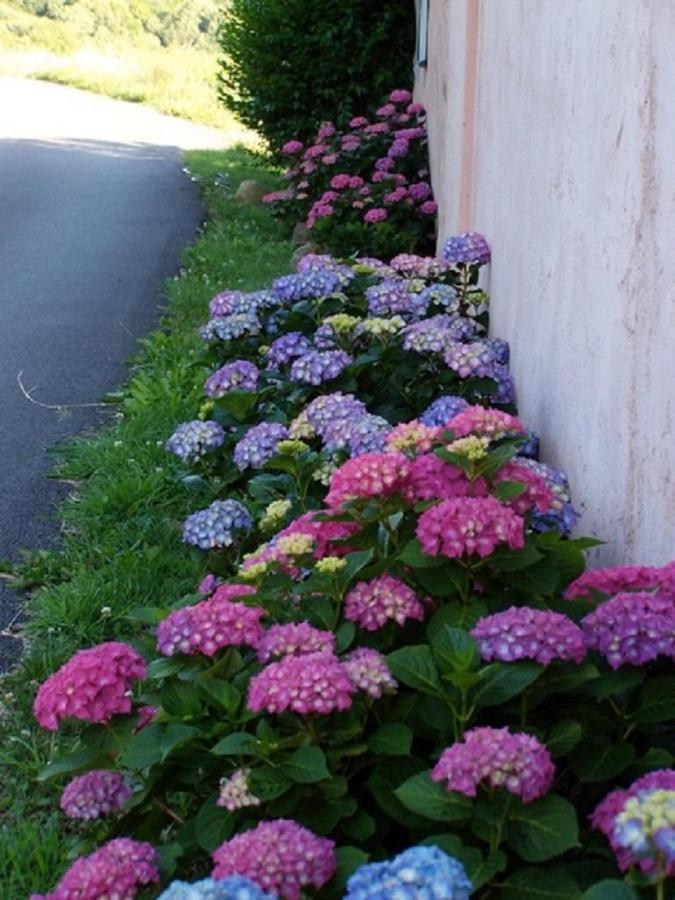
(122, 546)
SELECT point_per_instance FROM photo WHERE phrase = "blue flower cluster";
(314, 284)
(331, 414)
(315, 367)
(286, 348)
(420, 873)
(313, 262)
(367, 434)
(469, 248)
(191, 440)
(217, 525)
(234, 887)
(437, 334)
(441, 295)
(240, 375)
(258, 445)
(391, 297)
(562, 516)
(229, 303)
(442, 410)
(506, 388)
(231, 327)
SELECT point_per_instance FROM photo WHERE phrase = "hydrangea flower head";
(279, 856)
(98, 793)
(93, 686)
(369, 673)
(474, 360)
(419, 873)
(316, 367)
(537, 494)
(231, 328)
(294, 639)
(443, 410)
(499, 759)
(308, 285)
(414, 437)
(560, 515)
(365, 435)
(210, 625)
(646, 825)
(218, 525)
(239, 375)
(330, 414)
(191, 440)
(287, 347)
(369, 475)
(468, 526)
(117, 869)
(438, 334)
(492, 423)
(431, 478)
(389, 298)
(226, 303)
(258, 445)
(469, 248)
(525, 633)
(234, 792)
(632, 628)
(234, 887)
(311, 683)
(371, 604)
(613, 580)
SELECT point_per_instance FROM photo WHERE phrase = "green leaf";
(430, 799)
(72, 762)
(183, 701)
(480, 870)
(393, 739)
(359, 827)
(597, 759)
(224, 694)
(657, 700)
(413, 555)
(306, 765)
(415, 667)
(617, 682)
(456, 615)
(213, 824)
(507, 560)
(454, 649)
(344, 636)
(610, 889)
(505, 490)
(348, 860)
(563, 737)
(267, 783)
(502, 681)
(240, 743)
(654, 758)
(543, 829)
(237, 403)
(155, 743)
(355, 562)
(162, 668)
(147, 615)
(540, 884)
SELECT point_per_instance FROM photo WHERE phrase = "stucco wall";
(552, 129)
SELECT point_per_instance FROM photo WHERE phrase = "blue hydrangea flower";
(232, 327)
(287, 347)
(367, 434)
(229, 303)
(437, 334)
(191, 440)
(469, 248)
(501, 350)
(330, 416)
(391, 297)
(234, 887)
(314, 284)
(258, 445)
(218, 525)
(562, 516)
(315, 367)
(440, 294)
(442, 410)
(313, 261)
(239, 375)
(530, 447)
(506, 389)
(420, 873)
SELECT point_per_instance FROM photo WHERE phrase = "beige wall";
(552, 130)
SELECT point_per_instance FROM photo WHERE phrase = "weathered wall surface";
(552, 128)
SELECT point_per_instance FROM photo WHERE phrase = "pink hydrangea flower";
(377, 128)
(369, 672)
(412, 436)
(469, 525)
(117, 869)
(604, 817)
(414, 109)
(633, 628)
(537, 494)
(279, 856)
(234, 792)
(517, 763)
(294, 639)
(428, 208)
(94, 685)
(208, 584)
(385, 111)
(358, 122)
(400, 95)
(478, 420)
(292, 148)
(524, 633)
(315, 151)
(368, 475)
(329, 159)
(431, 478)
(341, 181)
(306, 684)
(613, 580)
(145, 715)
(377, 214)
(208, 626)
(326, 534)
(98, 793)
(326, 130)
(374, 603)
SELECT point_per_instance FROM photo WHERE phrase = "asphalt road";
(94, 213)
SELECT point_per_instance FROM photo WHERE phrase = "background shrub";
(288, 64)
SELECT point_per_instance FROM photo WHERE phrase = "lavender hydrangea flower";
(633, 628)
(469, 248)
(234, 887)
(437, 334)
(191, 440)
(312, 261)
(442, 410)
(474, 360)
(392, 297)
(218, 525)
(506, 388)
(239, 375)
(366, 434)
(98, 793)
(225, 304)
(314, 284)
(287, 347)
(440, 294)
(333, 410)
(258, 445)
(315, 367)
(420, 873)
(230, 328)
(521, 632)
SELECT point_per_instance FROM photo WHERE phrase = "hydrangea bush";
(396, 680)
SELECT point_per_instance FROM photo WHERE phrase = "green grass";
(122, 546)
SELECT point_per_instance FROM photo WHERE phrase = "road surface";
(94, 213)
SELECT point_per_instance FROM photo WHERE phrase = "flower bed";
(396, 645)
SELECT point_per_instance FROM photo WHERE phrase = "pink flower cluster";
(616, 579)
(279, 856)
(525, 633)
(431, 478)
(371, 604)
(327, 537)
(294, 639)
(604, 817)
(491, 423)
(633, 628)
(94, 685)
(117, 869)
(368, 475)
(537, 494)
(412, 436)
(208, 626)
(469, 525)
(98, 793)
(517, 763)
(306, 684)
(369, 672)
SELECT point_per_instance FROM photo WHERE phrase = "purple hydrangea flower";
(309, 285)
(230, 328)
(525, 633)
(315, 368)
(331, 414)
(217, 525)
(442, 410)
(632, 628)
(239, 375)
(98, 793)
(286, 348)
(225, 304)
(506, 388)
(530, 448)
(313, 261)
(391, 297)
(501, 349)
(367, 434)
(469, 248)
(258, 445)
(561, 516)
(191, 440)
(474, 360)
(437, 334)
